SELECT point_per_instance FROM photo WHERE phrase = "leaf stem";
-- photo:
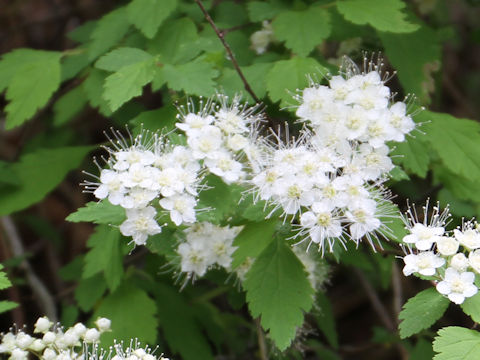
(261, 340)
(221, 36)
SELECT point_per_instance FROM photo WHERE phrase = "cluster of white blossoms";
(206, 245)
(451, 259)
(145, 175)
(331, 175)
(53, 342)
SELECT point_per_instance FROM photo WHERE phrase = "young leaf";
(195, 78)
(102, 212)
(105, 255)
(6, 305)
(385, 15)
(109, 30)
(311, 27)
(471, 306)
(118, 58)
(31, 86)
(286, 76)
(456, 142)
(278, 290)
(4, 282)
(422, 311)
(89, 291)
(415, 56)
(128, 82)
(148, 15)
(133, 315)
(456, 343)
(39, 173)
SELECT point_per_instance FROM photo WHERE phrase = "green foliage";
(413, 155)
(133, 315)
(471, 306)
(102, 212)
(313, 26)
(422, 311)
(194, 78)
(39, 173)
(457, 343)
(325, 319)
(385, 15)
(69, 105)
(148, 15)
(277, 284)
(31, 77)
(5, 305)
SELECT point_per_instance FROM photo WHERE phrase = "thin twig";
(397, 290)
(221, 36)
(45, 299)
(262, 346)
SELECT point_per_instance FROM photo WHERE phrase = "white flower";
(237, 142)
(425, 263)
(140, 224)
(49, 337)
(363, 218)
(91, 336)
(224, 166)
(194, 257)
(18, 354)
(194, 122)
(133, 155)
(401, 123)
(469, 238)
(314, 99)
(447, 246)
(423, 236)
(205, 141)
(321, 224)
(457, 285)
(262, 38)
(138, 198)
(8, 343)
(459, 262)
(103, 324)
(23, 340)
(37, 345)
(80, 329)
(474, 260)
(49, 354)
(181, 207)
(42, 325)
(111, 186)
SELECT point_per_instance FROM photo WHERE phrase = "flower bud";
(42, 325)
(92, 335)
(103, 324)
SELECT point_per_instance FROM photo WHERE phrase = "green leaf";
(163, 119)
(386, 15)
(311, 27)
(422, 311)
(128, 82)
(102, 212)
(194, 78)
(148, 15)
(133, 315)
(414, 156)
(93, 88)
(4, 282)
(39, 173)
(471, 307)
(31, 86)
(6, 305)
(108, 32)
(456, 142)
(286, 76)
(89, 291)
(69, 105)
(422, 350)
(326, 320)
(264, 10)
(252, 240)
(175, 41)
(415, 56)
(7, 175)
(118, 58)
(278, 290)
(105, 255)
(180, 328)
(14, 60)
(457, 343)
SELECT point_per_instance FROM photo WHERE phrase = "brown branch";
(261, 340)
(221, 36)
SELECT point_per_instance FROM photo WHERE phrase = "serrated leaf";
(108, 32)
(416, 57)
(148, 15)
(133, 315)
(175, 41)
(69, 105)
(102, 212)
(286, 76)
(278, 290)
(105, 255)
(387, 15)
(471, 307)
(31, 86)
(456, 142)
(39, 173)
(413, 154)
(128, 82)
(264, 10)
(118, 58)
(180, 328)
(93, 88)
(6, 305)
(89, 291)
(194, 78)
(326, 320)
(312, 26)
(457, 343)
(163, 119)
(422, 311)
(252, 240)
(4, 282)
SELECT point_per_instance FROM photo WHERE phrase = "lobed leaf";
(457, 343)
(148, 15)
(194, 78)
(120, 57)
(102, 212)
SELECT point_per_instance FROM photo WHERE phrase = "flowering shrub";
(259, 159)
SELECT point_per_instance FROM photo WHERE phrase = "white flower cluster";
(53, 342)
(148, 173)
(331, 175)
(206, 245)
(220, 134)
(446, 257)
(260, 39)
